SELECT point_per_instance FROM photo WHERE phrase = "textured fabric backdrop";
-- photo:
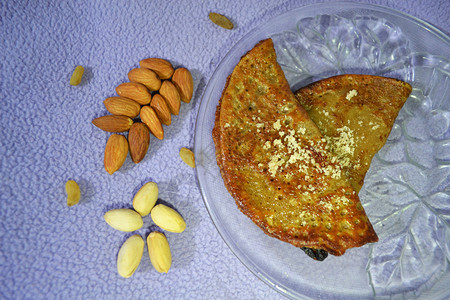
(50, 251)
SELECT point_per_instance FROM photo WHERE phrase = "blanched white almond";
(145, 198)
(159, 251)
(168, 218)
(130, 255)
(124, 219)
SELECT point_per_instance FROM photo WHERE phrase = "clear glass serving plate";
(406, 193)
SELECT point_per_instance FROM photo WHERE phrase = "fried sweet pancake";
(274, 162)
(355, 113)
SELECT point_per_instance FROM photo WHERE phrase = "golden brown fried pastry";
(355, 113)
(274, 161)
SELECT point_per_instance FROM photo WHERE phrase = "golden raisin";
(221, 20)
(188, 157)
(73, 192)
(77, 75)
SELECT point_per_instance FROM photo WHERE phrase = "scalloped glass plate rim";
(213, 84)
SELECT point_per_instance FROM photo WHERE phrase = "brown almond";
(160, 66)
(138, 141)
(136, 91)
(122, 106)
(113, 123)
(162, 110)
(116, 151)
(146, 77)
(149, 117)
(182, 79)
(171, 95)
(221, 20)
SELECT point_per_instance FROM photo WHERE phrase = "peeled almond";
(168, 219)
(159, 251)
(145, 198)
(124, 219)
(130, 255)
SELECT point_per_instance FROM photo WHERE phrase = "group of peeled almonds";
(128, 220)
(154, 94)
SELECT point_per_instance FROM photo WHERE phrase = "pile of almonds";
(154, 94)
(124, 219)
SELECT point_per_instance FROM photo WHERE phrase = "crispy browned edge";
(323, 85)
(216, 128)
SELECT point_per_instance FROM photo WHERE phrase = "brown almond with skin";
(116, 151)
(161, 67)
(162, 110)
(113, 123)
(182, 79)
(146, 77)
(138, 141)
(135, 91)
(122, 106)
(171, 95)
(150, 118)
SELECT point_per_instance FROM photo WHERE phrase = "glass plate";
(406, 193)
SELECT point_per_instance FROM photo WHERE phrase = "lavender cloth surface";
(50, 251)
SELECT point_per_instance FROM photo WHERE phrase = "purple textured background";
(50, 251)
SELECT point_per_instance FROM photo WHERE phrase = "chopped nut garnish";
(351, 94)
